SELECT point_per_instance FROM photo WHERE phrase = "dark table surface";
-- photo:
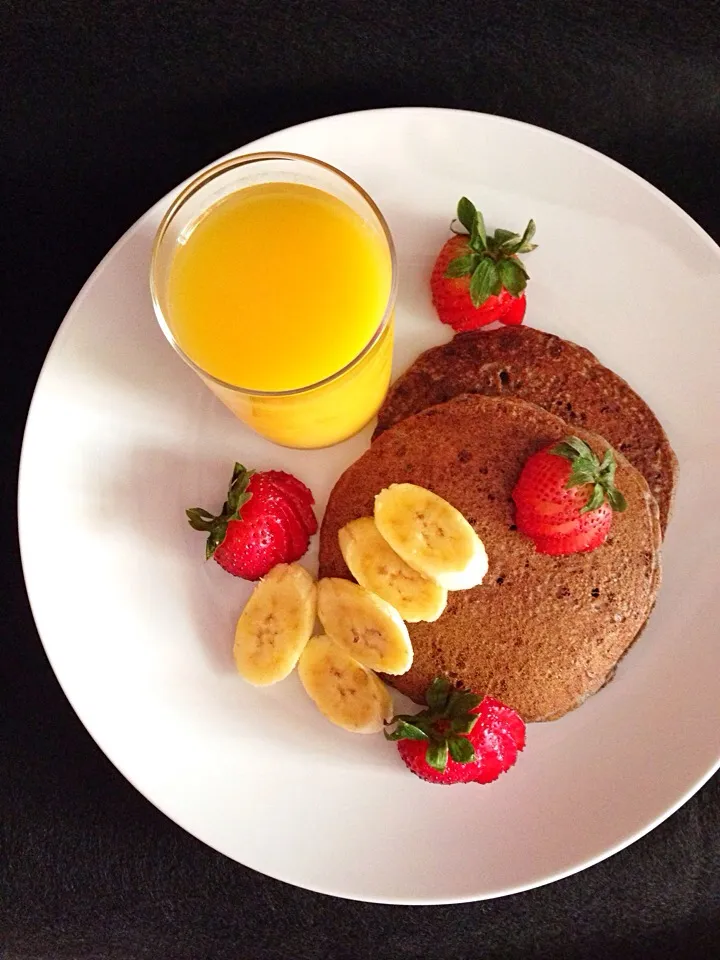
(105, 107)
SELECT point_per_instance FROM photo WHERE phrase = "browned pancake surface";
(559, 376)
(541, 633)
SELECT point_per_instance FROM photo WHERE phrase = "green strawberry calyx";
(448, 716)
(587, 469)
(216, 526)
(492, 261)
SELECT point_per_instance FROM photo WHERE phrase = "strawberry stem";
(448, 716)
(492, 261)
(216, 526)
(587, 469)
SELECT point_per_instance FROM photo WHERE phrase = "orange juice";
(277, 293)
(277, 287)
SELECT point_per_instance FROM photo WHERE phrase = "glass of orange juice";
(273, 276)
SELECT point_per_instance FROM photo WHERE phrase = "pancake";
(560, 376)
(541, 633)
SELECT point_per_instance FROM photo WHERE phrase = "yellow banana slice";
(275, 625)
(376, 566)
(368, 627)
(431, 536)
(343, 690)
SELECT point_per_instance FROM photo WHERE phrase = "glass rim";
(205, 177)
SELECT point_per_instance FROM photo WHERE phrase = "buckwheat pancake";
(541, 633)
(560, 376)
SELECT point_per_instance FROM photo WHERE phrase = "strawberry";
(593, 531)
(254, 543)
(565, 498)
(479, 278)
(276, 503)
(459, 738)
(515, 313)
(261, 524)
(535, 525)
(299, 494)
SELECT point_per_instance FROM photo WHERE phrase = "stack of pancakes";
(541, 633)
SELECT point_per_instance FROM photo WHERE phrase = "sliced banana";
(431, 536)
(368, 627)
(376, 566)
(343, 690)
(275, 625)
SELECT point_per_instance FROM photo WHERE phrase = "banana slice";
(376, 566)
(369, 628)
(343, 690)
(431, 536)
(275, 625)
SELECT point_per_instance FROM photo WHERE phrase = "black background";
(105, 107)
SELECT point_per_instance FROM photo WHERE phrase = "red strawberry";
(534, 525)
(477, 278)
(543, 510)
(253, 545)
(565, 498)
(542, 488)
(278, 504)
(496, 713)
(592, 532)
(460, 737)
(258, 527)
(515, 313)
(300, 495)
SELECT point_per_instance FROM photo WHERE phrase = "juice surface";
(278, 286)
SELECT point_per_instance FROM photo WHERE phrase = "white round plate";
(139, 629)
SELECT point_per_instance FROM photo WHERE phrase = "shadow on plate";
(144, 499)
